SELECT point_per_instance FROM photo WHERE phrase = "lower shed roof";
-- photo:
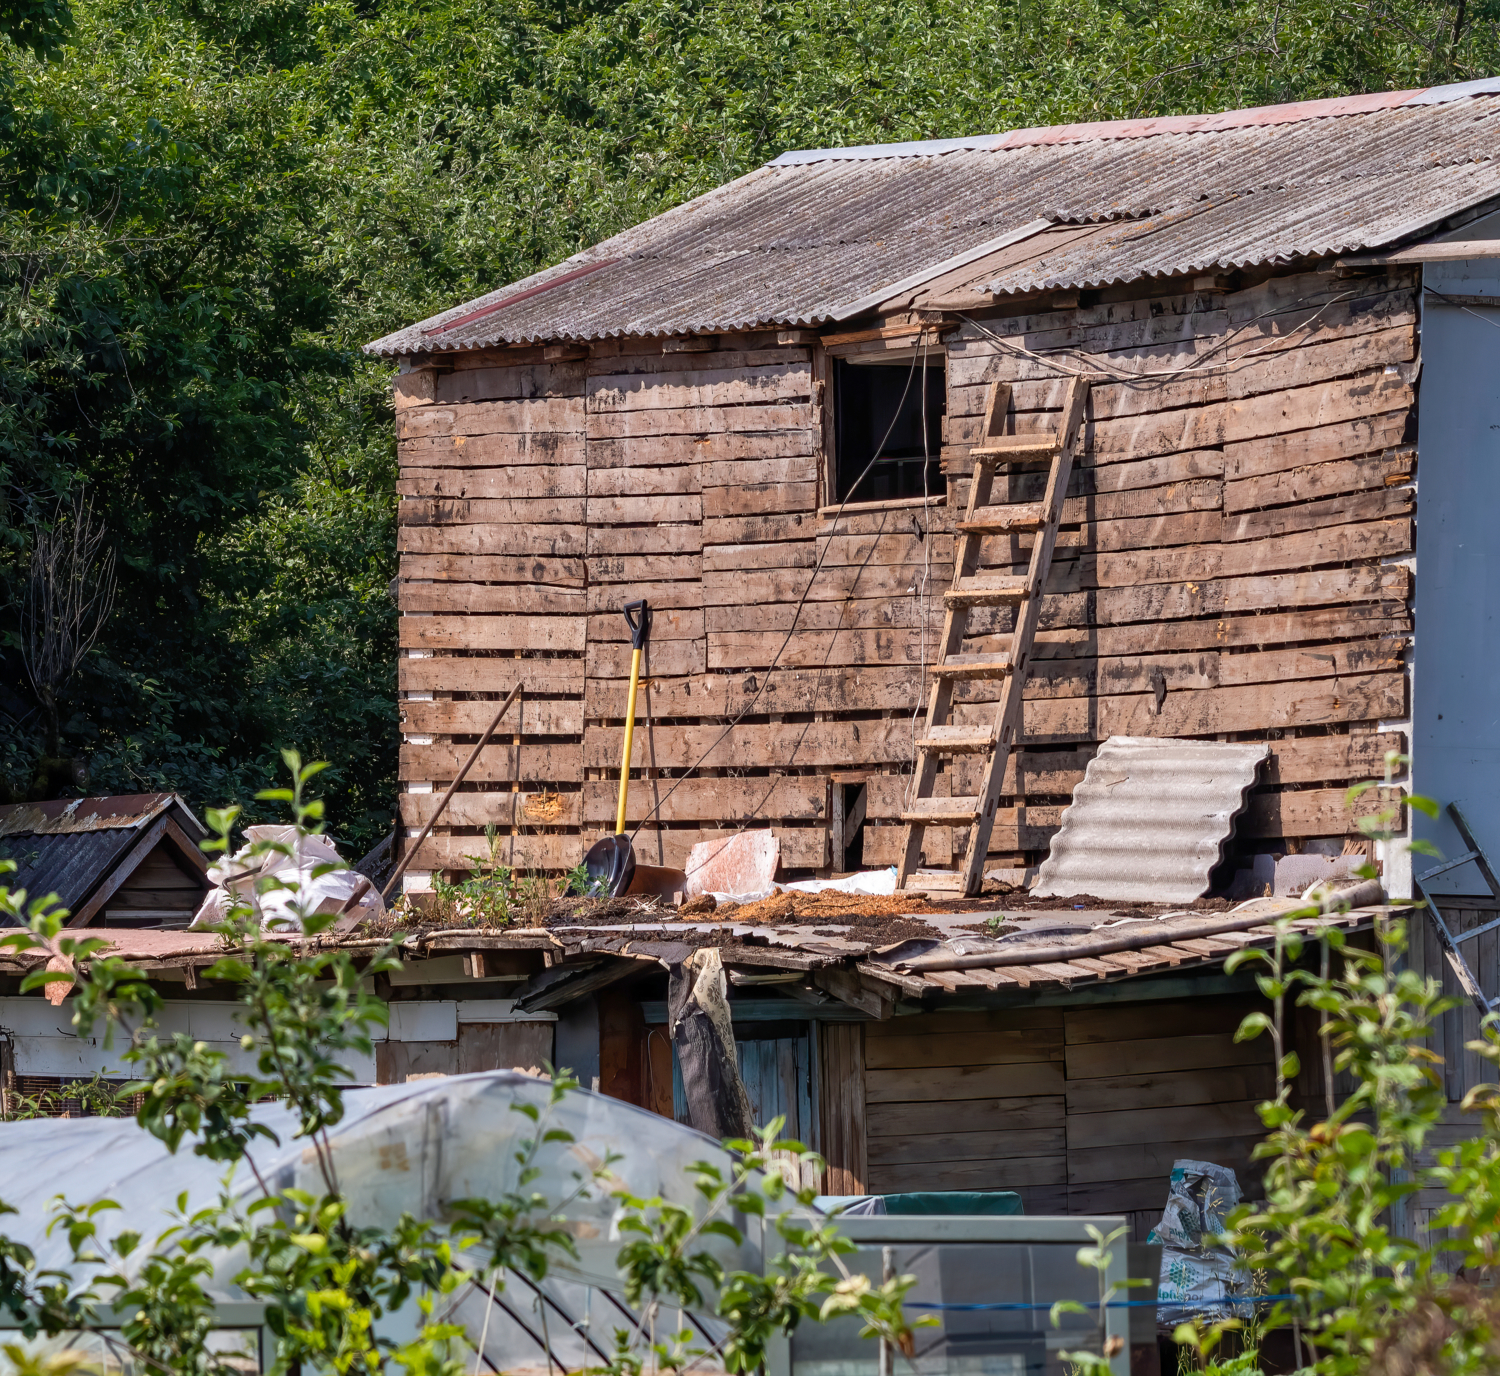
(935, 956)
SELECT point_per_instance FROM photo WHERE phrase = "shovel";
(610, 863)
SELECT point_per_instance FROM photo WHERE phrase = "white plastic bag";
(236, 880)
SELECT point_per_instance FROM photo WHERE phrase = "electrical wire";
(1101, 365)
(1095, 368)
(796, 615)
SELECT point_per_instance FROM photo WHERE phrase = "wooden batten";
(1227, 566)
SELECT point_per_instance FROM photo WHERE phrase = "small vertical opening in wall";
(901, 403)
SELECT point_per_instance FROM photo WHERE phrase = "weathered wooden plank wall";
(1231, 568)
(1237, 513)
(1081, 1110)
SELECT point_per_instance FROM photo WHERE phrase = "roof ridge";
(1294, 112)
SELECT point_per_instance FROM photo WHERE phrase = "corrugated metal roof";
(1150, 819)
(1044, 952)
(806, 238)
(67, 816)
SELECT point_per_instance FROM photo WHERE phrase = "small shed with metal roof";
(126, 861)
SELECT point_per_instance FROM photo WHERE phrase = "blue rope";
(1112, 1304)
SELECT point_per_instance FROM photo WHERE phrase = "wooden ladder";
(977, 813)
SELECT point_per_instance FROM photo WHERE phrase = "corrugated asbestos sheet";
(1043, 952)
(1150, 819)
(803, 239)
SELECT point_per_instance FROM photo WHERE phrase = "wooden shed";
(680, 412)
(125, 861)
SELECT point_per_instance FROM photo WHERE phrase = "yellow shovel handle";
(635, 678)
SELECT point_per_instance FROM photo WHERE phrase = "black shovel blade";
(610, 865)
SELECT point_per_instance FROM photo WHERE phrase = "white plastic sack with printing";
(1199, 1274)
(236, 880)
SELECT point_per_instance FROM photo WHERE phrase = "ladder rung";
(973, 666)
(943, 811)
(988, 592)
(945, 881)
(1005, 520)
(1016, 449)
(1451, 865)
(958, 740)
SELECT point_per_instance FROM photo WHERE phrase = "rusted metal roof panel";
(70, 816)
(1150, 819)
(812, 235)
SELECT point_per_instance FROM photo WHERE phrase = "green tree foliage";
(206, 206)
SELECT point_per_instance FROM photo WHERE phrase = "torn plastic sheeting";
(241, 879)
(408, 1148)
(1200, 1275)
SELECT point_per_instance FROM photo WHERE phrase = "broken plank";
(730, 802)
(492, 417)
(493, 808)
(713, 360)
(439, 763)
(699, 420)
(1307, 812)
(700, 388)
(493, 568)
(1343, 440)
(552, 542)
(527, 718)
(509, 482)
(488, 674)
(1384, 503)
(538, 599)
(492, 632)
(1323, 404)
(1316, 480)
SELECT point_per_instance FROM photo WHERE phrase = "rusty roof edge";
(1292, 112)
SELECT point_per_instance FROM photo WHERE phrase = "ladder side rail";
(1456, 962)
(955, 627)
(1009, 717)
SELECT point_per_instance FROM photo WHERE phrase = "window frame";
(899, 350)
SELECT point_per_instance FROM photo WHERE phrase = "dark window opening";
(896, 403)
